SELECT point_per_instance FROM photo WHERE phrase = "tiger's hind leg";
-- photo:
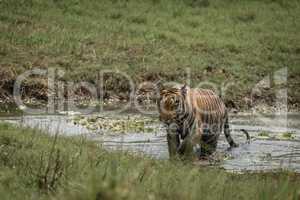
(208, 144)
(199, 147)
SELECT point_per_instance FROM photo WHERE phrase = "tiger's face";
(171, 104)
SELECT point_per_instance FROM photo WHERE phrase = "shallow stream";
(268, 149)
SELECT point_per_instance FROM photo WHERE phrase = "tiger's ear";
(183, 90)
(159, 85)
(158, 88)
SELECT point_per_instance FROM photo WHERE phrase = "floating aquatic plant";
(281, 136)
(286, 136)
(116, 125)
(263, 135)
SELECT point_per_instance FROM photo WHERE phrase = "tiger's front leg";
(173, 142)
(185, 149)
(196, 141)
(190, 145)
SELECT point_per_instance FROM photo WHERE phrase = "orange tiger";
(193, 116)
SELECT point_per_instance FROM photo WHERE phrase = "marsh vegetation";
(237, 42)
(233, 44)
(36, 166)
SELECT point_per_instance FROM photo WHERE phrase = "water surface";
(262, 154)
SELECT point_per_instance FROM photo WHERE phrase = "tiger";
(194, 119)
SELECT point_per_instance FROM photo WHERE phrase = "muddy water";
(262, 154)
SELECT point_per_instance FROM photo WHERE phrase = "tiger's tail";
(228, 135)
(247, 135)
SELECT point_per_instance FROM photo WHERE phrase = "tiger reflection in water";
(194, 118)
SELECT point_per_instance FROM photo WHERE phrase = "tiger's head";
(171, 102)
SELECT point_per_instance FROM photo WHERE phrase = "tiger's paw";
(197, 151)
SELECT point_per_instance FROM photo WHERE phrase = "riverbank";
(232, 45)
(35, 165)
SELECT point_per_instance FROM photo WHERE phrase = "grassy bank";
(232, 41)
(36, 166)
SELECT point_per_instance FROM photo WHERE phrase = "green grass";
(34, 165)
(220, 41)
